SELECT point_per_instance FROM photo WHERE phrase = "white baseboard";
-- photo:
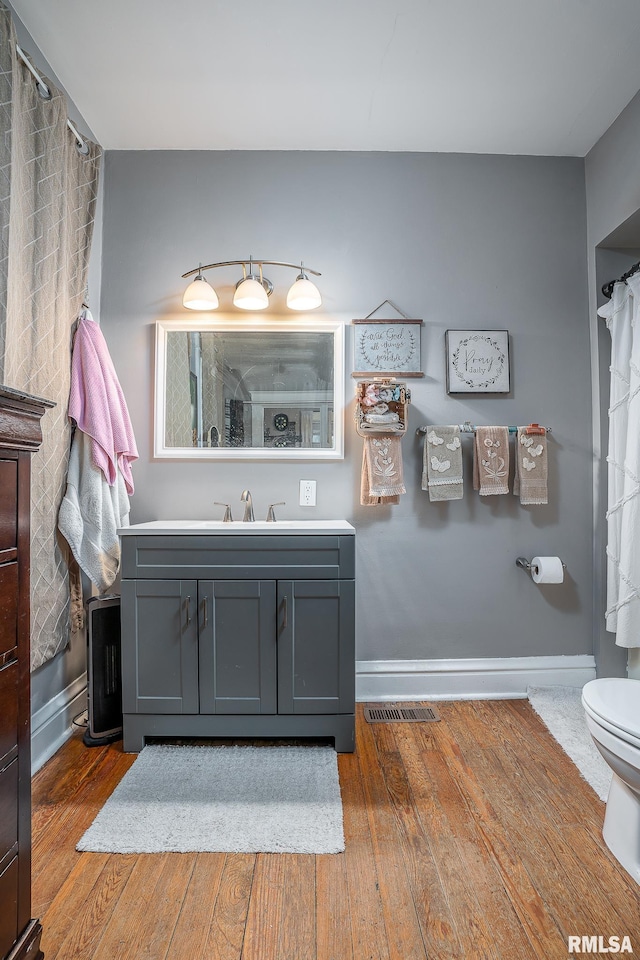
(502, 678)
(51, 725)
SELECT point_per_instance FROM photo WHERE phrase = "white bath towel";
(91, 513)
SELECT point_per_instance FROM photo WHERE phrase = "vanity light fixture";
(200, 295)
(253, 290)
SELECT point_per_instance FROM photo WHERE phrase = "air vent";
(393, 714)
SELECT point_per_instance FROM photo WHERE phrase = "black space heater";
(104, 672)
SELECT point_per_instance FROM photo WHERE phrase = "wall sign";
(385, 348)
(477, 361)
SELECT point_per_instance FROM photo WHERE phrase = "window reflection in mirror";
(271, 391)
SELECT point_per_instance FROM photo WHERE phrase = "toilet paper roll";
(547, 570)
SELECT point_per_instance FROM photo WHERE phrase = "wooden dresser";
(20, 436)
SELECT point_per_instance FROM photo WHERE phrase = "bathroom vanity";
(238, 630)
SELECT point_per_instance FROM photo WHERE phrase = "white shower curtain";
(622, 315)
(47, 202)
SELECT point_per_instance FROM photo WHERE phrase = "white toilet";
(612, 707)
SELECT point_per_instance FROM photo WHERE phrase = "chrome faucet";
(248, 506)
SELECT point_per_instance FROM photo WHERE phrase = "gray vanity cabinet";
(161, 669)
(315, 646)
(255, 640)
(237, 649)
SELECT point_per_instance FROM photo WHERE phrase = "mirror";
(237, 390)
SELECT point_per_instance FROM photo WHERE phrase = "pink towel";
(97, 404)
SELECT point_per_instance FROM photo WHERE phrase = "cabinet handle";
(204, 611)
(188, 610)
(284, 613)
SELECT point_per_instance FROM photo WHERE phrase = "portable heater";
(104, 673)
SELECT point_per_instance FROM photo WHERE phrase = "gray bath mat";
(223, 799)
(562, 712)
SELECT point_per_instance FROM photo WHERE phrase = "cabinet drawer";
(8, 808)
(8, 709)
(8, 504)
(239, 558)
(9, 910)
(8, 607)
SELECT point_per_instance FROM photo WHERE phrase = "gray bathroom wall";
(474, 242)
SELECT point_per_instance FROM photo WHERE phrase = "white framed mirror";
(254, 389)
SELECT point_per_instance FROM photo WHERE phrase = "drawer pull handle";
(204, 611)
(188, 610)
(284, 611)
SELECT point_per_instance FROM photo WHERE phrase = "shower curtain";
(48, 194)
(622, 315)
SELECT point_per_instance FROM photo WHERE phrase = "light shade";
(303, 294)
(200, 295)
(250, 295)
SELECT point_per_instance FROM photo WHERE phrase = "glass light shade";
(200, 295)
(303, 295)
(250, 295)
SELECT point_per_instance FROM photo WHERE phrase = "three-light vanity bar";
(253, 290)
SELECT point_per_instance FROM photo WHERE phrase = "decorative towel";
(530, 480)
(381, 471)
(491, 461)
(97, 404)
(442, 464)
(91, 513)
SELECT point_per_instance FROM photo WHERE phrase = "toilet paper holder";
(525, 564)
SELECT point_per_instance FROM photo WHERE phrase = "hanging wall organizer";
(381, 407)
(387, 347)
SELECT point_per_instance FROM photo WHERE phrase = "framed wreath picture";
(477, 361)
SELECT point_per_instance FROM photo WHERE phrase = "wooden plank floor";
(471, 838)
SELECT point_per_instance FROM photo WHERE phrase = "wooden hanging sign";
(387, 347)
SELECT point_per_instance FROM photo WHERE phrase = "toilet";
(612, 708)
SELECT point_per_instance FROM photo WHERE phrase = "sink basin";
(236, 527)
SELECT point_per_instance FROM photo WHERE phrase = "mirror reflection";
(251, 389)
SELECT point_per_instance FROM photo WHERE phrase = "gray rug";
(561, 710)
(223, 799)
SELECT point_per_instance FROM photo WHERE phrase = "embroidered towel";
(530, 481)
(97, 404)
(382, 476)
(442, 464)
(491, 461)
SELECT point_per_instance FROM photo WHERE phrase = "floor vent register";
(393, 714)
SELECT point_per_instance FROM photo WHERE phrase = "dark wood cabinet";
(250, 653)
(20, 436)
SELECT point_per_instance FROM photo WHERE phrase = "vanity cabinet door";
(237, 646)
(316, 655)
(160, 661)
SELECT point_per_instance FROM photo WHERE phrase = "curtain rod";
(607, 288)
(45, 93)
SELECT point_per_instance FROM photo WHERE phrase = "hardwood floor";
(470, 838)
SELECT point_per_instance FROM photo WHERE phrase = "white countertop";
(236, 527)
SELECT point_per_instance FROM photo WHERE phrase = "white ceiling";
(542, 77)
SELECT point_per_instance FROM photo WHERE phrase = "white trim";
(51, 725)
(501, 678)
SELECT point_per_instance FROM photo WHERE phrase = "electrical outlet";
(307, 493)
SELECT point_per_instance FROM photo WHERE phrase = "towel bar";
(467, 427)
